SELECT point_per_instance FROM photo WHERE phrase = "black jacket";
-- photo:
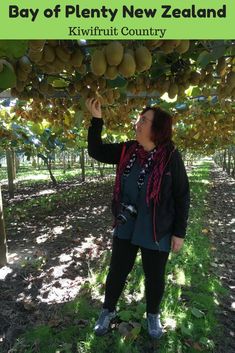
(171, 214)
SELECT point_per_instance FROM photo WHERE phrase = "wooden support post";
(82, 163)
(3, 242)
(10, 172)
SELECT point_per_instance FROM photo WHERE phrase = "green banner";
(152, 19)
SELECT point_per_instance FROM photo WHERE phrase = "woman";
(150, 204)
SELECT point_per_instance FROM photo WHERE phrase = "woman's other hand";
(176, 243)
(94, 107)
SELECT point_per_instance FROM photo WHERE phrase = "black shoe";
(102, 324)
(154, 325)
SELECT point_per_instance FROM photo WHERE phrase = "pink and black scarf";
(153, 162)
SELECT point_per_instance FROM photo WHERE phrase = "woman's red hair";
(161, 125)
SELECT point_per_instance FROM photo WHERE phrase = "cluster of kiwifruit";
(203, 140)
(118, 117)
(107, 61)
(53, 56)
(114, 60)
(178, 83)
(175, 84)
(37, 111)
(50, 57)
(23, 68)
(208, 125)
(5, 134)
(169, 46)
(225, 70)
(227, 87)
(160, 85)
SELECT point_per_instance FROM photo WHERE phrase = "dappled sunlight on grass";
(73, 271)
(4, 271)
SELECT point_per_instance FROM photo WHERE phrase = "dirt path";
(221, 220)
(50, 256)
(65, 244)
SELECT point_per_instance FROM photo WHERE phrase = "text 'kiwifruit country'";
(77, 11)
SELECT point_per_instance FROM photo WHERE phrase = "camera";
(127, 211)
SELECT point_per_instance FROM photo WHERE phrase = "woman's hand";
(94, 107)
(176, 243)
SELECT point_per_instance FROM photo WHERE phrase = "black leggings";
(122, 260)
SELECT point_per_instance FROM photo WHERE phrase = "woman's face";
(143, 127)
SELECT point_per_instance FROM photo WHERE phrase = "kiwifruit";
(77, 58)
(109, 96)
(233, 93)
(93, 86)
(102, 83)
(98, 62)
(62, 54)
(90, 77)
(43, 87)
(128, 66)
(48, 53)
(231, 79)
(25, 64)
(228, 90)
(131, 87)
(173, 90)
(169, 46)
(208, 79)
(209, 68)
(58, 65)
(71, 89)
(20, 86)
(164, 84)
(181, 90)
(143, 58)
(114, 53)
(152, 44)
(53, 43)
(111, 72)
(21, 75)
(183, 47)
(35, 56)
(84, 91)
(194, 78)
(78, 85)
(116, 94)
(221, 65)
(36, 45)
(82, 69)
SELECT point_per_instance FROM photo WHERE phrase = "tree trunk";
(14, 163)
(224, 160)
(64, 163)
(73, 159)
(10, 173)
(92, 164)
(38, 163)
(233, 171)
(101, 170)
(3, 241)
(17, 164)
(82, 163)
(53, 179)
(68, 161)
(229, 161)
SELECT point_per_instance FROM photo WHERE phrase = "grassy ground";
(188, 308)
(27, 174)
